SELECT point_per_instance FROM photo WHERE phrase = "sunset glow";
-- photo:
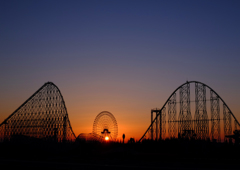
(115, 57)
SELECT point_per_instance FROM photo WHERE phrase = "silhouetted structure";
(235, 136)
(43, 116)
(131, 140)
(123, 136)
(90, 137)
(105, 125)
(168, 124)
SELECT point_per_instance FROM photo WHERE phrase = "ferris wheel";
(105, 126)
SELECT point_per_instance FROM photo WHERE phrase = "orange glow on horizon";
(106, 138)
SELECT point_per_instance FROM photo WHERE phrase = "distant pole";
(123, 136)
(160, 125)
(152, 126)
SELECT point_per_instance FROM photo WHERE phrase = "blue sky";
(126, 53)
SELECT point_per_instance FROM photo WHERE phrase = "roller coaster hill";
(193, 111)
(43, 116)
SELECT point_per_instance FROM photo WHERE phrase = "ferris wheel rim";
(105, 120)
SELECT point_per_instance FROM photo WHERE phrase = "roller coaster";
(174, 119)
(44, 116)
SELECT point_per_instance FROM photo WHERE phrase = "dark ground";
(168, 154)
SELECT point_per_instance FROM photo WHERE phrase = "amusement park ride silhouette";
(44, 116)
(174, 119)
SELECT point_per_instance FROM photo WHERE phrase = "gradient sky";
(125, 57)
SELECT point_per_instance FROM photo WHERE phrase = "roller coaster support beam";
(158, 113)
